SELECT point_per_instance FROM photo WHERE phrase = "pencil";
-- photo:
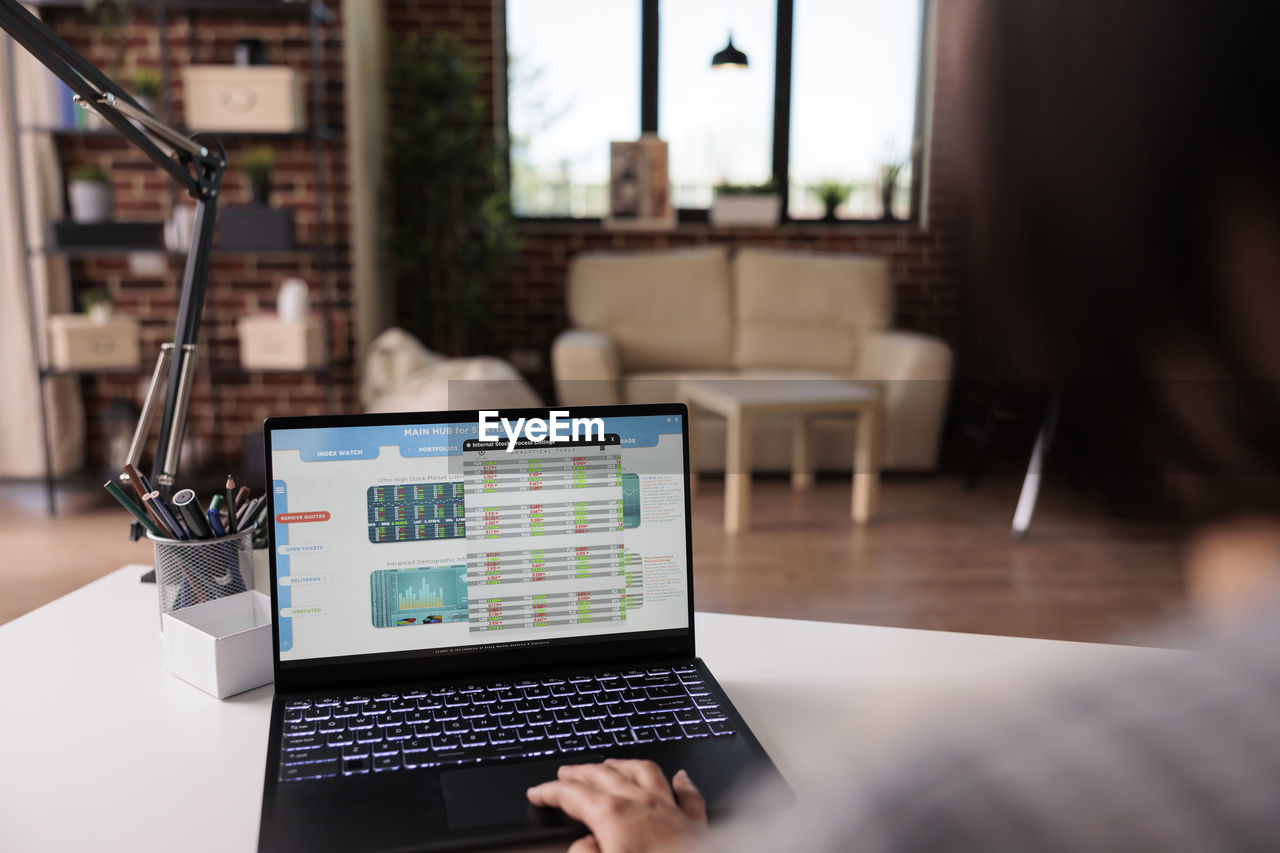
(175, 528)
(143, 519)
(231, 504)
(141, 486)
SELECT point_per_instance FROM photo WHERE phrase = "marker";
(215, 523)
(171, 524)
(231, 504)
(192, 513)
(143, 518)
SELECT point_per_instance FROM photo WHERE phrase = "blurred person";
(1120, 177)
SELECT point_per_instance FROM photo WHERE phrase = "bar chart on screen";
(418, 596)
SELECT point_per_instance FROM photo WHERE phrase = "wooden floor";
(937, 557)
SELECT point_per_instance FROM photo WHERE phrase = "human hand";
(627, 805)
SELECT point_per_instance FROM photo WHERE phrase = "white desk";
(100, 749)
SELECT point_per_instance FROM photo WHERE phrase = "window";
(573, 84)
(848, 85)
(718, 123)
(853, 102)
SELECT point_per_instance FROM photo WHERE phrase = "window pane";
(853, 100)
(573, 78)
(718, 121)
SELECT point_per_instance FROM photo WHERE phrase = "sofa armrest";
(914, 373)
(586, 368)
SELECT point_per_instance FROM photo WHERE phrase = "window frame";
(650, 27)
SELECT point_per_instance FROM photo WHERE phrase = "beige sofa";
(642, 320)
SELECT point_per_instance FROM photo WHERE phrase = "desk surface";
(103, 750)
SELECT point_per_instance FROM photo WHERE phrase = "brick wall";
(226, 402)
(529, 306)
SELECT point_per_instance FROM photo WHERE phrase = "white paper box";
(250, 98)
(222, 646)
(78, 343)
(269, 343)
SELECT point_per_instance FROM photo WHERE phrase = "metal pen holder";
(200, 570)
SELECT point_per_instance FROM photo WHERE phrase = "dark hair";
(1114, 151)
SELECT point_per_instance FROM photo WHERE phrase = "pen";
(192, 513)
(143, 518)
(231, 504)
(248, 514)
(215, 523)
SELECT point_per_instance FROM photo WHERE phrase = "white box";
(248, 98)
(269, 343)
(222, 646)
(78, 343)
(746, 210)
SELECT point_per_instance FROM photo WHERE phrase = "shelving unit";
(320, 21)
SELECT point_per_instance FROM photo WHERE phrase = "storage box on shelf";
(265, 98)
(269, 343)
(77, 342)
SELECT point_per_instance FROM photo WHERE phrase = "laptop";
(466, 601)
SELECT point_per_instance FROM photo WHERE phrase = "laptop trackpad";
(490, 796)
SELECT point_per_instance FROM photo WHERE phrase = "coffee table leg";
(802, 455)
(866, 465)
(737, 475)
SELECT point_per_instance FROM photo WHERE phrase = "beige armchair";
(643, 320)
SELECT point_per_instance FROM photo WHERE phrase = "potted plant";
(257, 165)
(144, 85)
(746, 204)
(257, 226)
(832, 194)
(89, 194)
(97, 305)
(447, 212)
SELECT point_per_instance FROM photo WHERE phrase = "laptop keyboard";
(350, 735)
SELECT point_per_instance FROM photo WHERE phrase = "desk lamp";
(197, 164)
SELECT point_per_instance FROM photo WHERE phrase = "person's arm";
(627, 805)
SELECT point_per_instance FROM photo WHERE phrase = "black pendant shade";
(730, 57)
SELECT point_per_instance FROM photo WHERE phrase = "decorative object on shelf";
(639, 186)
(832, 194)
(258, 226)
(97, 306)
(256, 99)
(249, 52)
(729, 56)
(178, 228)
(80, 342)
(892, 170)
(89, 195)
(293, 302)
(449, 224)
(746, 204)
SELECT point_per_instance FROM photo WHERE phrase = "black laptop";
(465, 601)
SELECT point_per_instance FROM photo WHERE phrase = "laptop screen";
(415, 539)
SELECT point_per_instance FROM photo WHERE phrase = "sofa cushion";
(666, 309)
(806, 309)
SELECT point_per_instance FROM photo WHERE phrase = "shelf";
(110, 251)
(263, 6)
(49, 372)
(232, 370)
(325, 134)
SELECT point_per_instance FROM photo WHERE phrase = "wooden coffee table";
(741, 401)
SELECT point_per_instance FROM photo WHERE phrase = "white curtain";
(21, 443)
